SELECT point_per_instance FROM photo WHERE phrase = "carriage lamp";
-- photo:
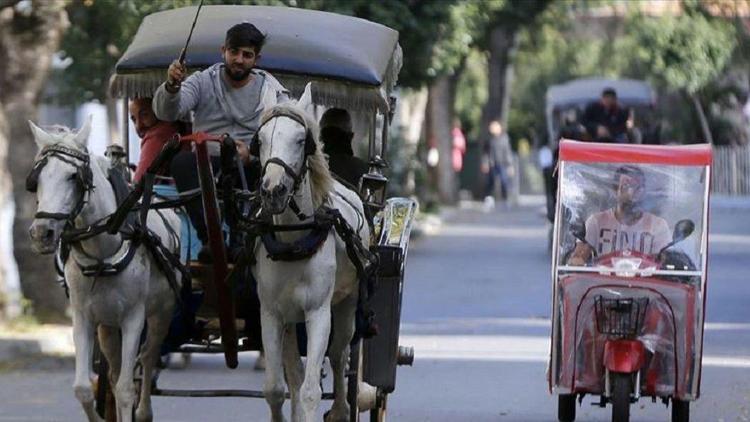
(372, 187)
(119, 158)
(116, 154)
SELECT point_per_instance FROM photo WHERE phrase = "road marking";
(465, 230)
(735, 239)
(502, 348)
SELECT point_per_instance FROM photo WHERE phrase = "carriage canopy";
(354, 63)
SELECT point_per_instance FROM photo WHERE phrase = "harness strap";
(298, 178)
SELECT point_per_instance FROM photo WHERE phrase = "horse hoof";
(144, 418)
(330, 416)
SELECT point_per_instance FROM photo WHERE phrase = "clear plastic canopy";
(630, 233)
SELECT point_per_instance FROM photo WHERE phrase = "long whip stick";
(190, 35)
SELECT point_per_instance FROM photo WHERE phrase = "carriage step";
(219, 393)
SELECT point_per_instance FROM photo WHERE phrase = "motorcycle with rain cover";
(629, 276)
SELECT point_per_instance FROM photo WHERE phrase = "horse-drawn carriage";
(328, 60)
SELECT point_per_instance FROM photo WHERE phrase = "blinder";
(32, 180)
(84, 177)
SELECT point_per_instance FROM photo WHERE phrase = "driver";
(626, 226)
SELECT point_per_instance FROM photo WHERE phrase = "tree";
(30, 33)
(684, 53)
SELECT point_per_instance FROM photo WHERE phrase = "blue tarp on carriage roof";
(299, 41)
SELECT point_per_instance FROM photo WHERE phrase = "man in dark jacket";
(336, 134)
(606, 120)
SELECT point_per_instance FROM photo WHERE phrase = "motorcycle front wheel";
(622, 386)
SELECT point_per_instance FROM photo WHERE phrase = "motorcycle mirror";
(682, 230)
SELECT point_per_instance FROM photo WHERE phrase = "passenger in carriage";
(154, 133)
(606, 120)
(336, 135)
(626, 226)
(228, 97)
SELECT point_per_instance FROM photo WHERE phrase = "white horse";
(320, 291)
(113, 304)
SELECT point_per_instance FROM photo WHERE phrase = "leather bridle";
(84, 177)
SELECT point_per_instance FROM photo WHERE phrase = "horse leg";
(294, 372)
(83, 338)
(338, 352)
(131, 327)
(156, 331)
(318, 323)
(109, 341)
(273, 389)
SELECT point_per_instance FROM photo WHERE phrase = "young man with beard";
(626, 226)
(228, 97)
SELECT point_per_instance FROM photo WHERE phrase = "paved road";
(476, 308)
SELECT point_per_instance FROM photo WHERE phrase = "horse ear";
(305, 101)
(41, 137)
(82, 136)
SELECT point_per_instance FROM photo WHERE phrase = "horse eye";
(72, 177)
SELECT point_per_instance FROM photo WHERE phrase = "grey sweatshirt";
(203, 93)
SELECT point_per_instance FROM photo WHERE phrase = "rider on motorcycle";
(624, 227)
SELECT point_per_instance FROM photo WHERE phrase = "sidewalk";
(50, 340)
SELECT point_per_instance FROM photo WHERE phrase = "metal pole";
(219, 255)
(125, 130)
(384, 137)
(372, 135)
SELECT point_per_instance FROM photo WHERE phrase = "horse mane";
(321, 181)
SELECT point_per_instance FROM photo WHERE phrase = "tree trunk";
(707, 137)
(411, 111)
(441, 101)
(502, 48)
(503, 45)
(30, 34)
(10, 288)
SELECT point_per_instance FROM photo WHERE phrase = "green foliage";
(471, 94)
(685, 52)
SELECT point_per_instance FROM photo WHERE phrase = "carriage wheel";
(680, 410)
(378, 414)
(622, 386)
(354, 379)
(566, 407)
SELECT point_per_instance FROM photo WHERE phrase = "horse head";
(60, 178)
(287, 146)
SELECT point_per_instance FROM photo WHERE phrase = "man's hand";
(580, 255)
(602, 132)
(176, 74)
(243, 151)
(576, 261)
